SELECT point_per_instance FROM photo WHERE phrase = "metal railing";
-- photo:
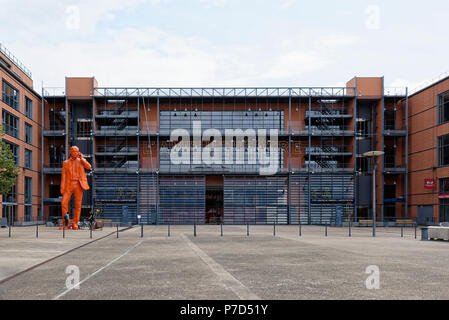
(395, 91)
(14, 60)
(329, 149)
(227, 92)
(53, 91)
(117, 112)
(116, 149)
(53, 165)
(429, 83)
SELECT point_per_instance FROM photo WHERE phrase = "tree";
(8, 169)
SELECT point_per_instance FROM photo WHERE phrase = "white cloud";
(287, 4)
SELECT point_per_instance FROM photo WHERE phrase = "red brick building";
(20, 114)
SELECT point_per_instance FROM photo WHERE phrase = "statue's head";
(74, 151)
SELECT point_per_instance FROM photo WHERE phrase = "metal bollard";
(300, 231)
(117, 230)
(194, 229)
(63, 232)
(350, 229)
(247, 229)
(9, 230)
(169, 229)
(402, 232)
(141, 230)
(37, 230)
(221, 227)
(415, 231)
(91, 230)
(424, 234)
(274, 229)
(325, 232)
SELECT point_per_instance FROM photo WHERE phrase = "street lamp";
(373, 155)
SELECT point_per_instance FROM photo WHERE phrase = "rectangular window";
(443, 108)
(444, 185)
(10, 124)
(28, 133)
(390, 156)
(15, 151)
(28, 107)
(28, 189)
(84, 128)
(28, 159)
(28, 213)
(11, 197)
(443, 150)
(11, 96)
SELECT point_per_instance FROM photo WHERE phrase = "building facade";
(429, 151)
(20, 115)
(322, 177)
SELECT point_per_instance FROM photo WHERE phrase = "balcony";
(325, 167)
(329, 150)
(105, 131)
(118, 150)
(53, 168)
(328, 113)
(393, 131)
(55, 131)
(327, 130)
(121, 164)
(392, 168)
(116, 114)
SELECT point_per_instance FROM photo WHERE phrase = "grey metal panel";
(182, 200)
(113, 193)
(148, 198)
(299, 210)
(328, 194)
(365, 186)
(255, 200)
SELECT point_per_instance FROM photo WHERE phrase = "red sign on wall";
(443, 196)
(429, 183)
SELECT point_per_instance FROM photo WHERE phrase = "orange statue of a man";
(73, 181)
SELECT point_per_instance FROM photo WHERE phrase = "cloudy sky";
(161, 43)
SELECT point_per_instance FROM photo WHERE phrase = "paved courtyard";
(232, 266)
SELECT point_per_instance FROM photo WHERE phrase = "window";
(15, 151)
(363, 164)
(443, 108)
(28, 159)
(444, 185)
(10, 124)
(28, 213)
(11, 96)
(390, 156)
(390, 191)
(28, 190)
(11, 197)
(390, 119)
(443, 150)
(84, 128)
(444, 203)
(28, 133)
(28, 107)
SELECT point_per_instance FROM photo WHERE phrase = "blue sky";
(162, 43)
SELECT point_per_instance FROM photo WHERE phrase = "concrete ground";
(235, 266)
